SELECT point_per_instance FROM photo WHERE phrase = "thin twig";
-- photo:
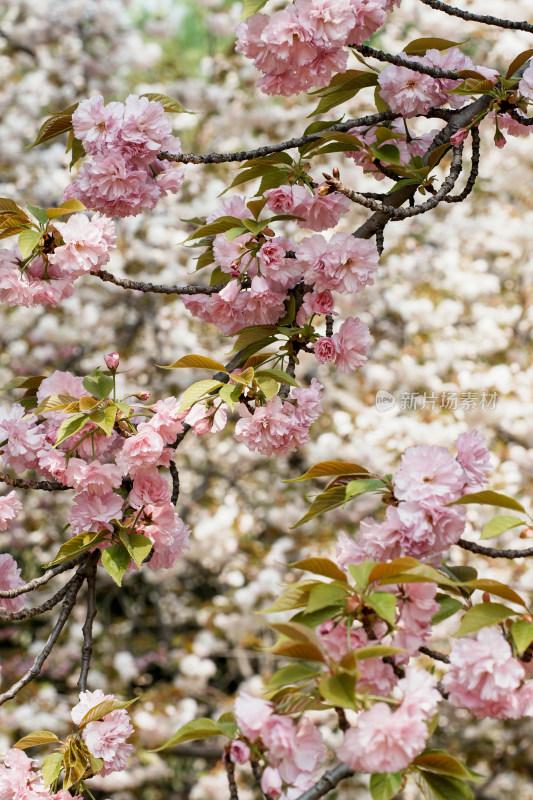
(257, 773)
(23, 483)
(66, 608)
(230, 772)
(156, 288)
(87, 649)
(401, 61)
(28, 613)
(474, 171)
(493, 552)
(48, 575)
(485, 19)
(435, 655)
(327, 782)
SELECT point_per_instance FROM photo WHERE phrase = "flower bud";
(458, 137)
(112, 361)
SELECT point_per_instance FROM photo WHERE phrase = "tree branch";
(474, 171)
(493, 552)
(87, 649)
(175, 482)
(327, 782)
(28, 613)
(141, 286)
(68, 604)
(401, 61)
(22, 483)
(48, 575)
(485, 19)
(434, 654)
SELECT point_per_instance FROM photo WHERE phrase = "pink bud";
(271, 782)
(458, 137)
(499, 140)
(239, 752)
(143, 395)
(112, 361)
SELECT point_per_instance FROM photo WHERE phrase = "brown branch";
(175, 482)
(28, 613)
(474, 171)
(401, 61)
(493, 552)
(485, 19)
(87, 649)
(434, 654)
(395, 214)
(23, 483)
(519, 118)
(68, 604)
(142, 286)
(48, 575)
(230, 772)
(328, 782)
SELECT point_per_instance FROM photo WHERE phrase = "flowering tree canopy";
(375, 637)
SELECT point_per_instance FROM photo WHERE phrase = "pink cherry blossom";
(324, 349)
(420, 695)
(525, 87)
(271, 784)
(144, 129)
(239, 752)
(10, 579)
(24, 438)
(344, 264)
(251, 714)
(112, 361)
(484, 676)
(167, 420)
(84, 248)
(351, 344)
(168, 534)
(474, 457)
(322, 212)
(87, 701)
(96, 124)
(94, 512)
(10, 507)
(142, 450)
(429, 473)
(287, 199)
(149, 488)
(384, 740)
(94, 477)
(278, 735)
(407, 92)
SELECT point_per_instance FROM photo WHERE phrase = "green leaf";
(442, 787)
(201, 728)
(339, 690)
(105, 418)
(298, 649)
(496, 587)
(105, 707)
(383, 786)
(78, 544)
(32, 382)
(253, 334)
(442, 763)
(96, 764)
(320, 566)
(278, 375)
(376, 651)
(315, 618)
(98, 384)
(75, 761)
(522, 633)
(328, 468)
(137, 545)
(489, 498)
(293, 673)
(67, 207)
(51, 768)
(517, 62)
(337, 93)
(482, 615)
(268, 386)
(220, 225)
(259, 171)
(498, 525)
(35, 738)
(325, 501)
(116, 560)
(252, 7)
(230, 394)
(388, 153)
(38, 213)
(196, 391)
(55, 402)
(54, 126)
(77, 150)
(384, 604)
(360, 573)
(28, 241)
(418, 47)
(197, 362)
(70, 426)
(168, 103)
(448, 607)
(357, 487)
(325, 594)
(294, 597)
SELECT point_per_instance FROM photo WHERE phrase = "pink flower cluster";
(280, 426)
(487, 679)
(421, 525)
(319, 212)
(348, 347)
(10, 579)
(76, 247)
(407, 149)
(410, 93)
(303, 44)
(20, 781)
(94, 465)
(294, 750)
(105, 738)
(124, 140)
(387, 740)
(343, 264)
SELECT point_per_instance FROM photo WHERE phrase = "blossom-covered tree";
(357, 644)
